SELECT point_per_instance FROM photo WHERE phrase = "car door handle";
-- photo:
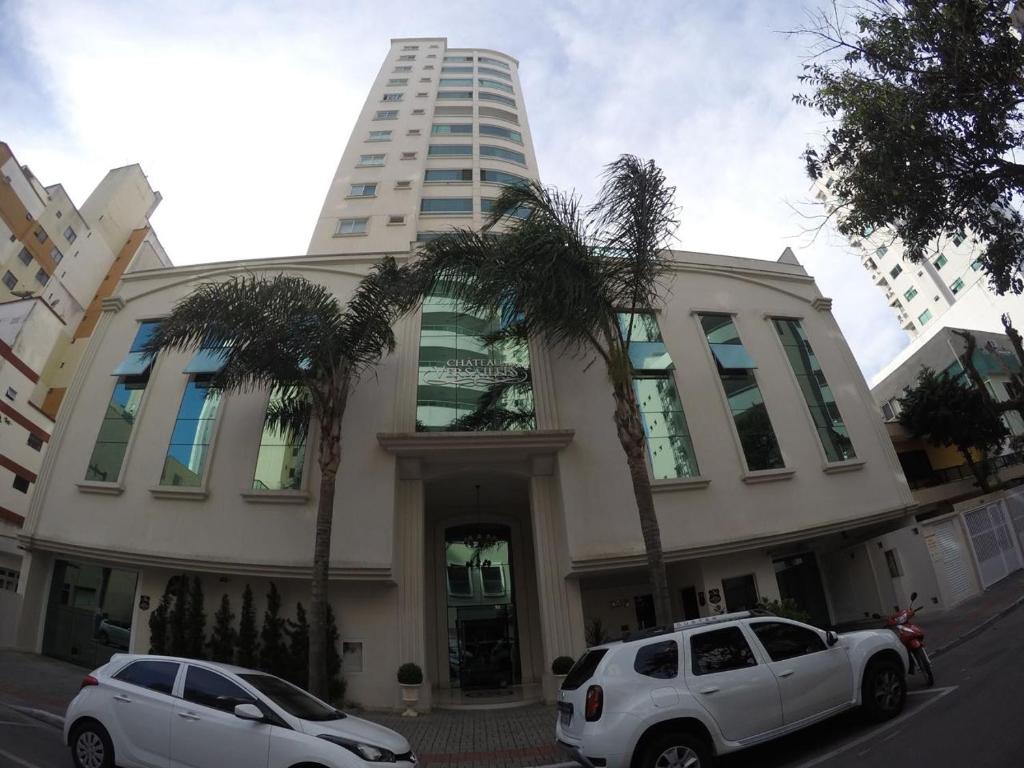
(122, 697)
(188, 715)
(712, 689)
(785, 673)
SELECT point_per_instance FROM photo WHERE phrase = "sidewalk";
(508, 738)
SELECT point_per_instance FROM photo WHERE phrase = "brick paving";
(497, 738)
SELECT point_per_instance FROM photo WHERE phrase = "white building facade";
(480, 548)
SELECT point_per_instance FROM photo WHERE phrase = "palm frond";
(289, 412)
(637, 218)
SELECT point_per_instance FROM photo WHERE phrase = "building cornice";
(428, 443)
(588, 566)
(111, 556)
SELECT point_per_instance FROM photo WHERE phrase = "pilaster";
(410, 555)
(561, 609)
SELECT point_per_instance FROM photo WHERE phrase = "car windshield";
(293, 700)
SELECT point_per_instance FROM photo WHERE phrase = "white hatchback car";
(675, 697)
(167, 712)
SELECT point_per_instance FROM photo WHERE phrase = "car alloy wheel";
(89, 750)
(678, 757)
(887, 690)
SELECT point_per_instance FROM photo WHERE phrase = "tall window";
(119, 420)
(488, 96)
(449, 129)
(456, 81)
(668, 437)
(488, 176)
(432, 175)
(828, 422)
(736, 372)
(446, 205)
(281, 458)
(192, 433)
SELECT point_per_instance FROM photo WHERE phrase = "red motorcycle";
(912, 636)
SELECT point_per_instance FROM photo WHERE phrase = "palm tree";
(564, 275)
(291, 336)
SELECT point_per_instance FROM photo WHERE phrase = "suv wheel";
(884, 690)
(91, 747)
(675, 750)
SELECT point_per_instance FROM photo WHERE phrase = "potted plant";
(410, 677)
(560, 666)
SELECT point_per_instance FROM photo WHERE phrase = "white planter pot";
(410, 697)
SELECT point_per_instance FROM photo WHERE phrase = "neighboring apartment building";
(940, 476)
(948, 289)
(57, 264)
(481, 554)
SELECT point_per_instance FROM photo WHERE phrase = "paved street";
(971, 718)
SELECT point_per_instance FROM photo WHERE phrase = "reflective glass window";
(466, 82)
(450, 129)
(488, 96)
(487, 206)
(464, 383)
(669, 445)
(457, 71)
(454, 94)
(501, 132)
(451, 150)
(151, 675)
(495, 62)
(281, 458)
(503, 154)
(489, 83)
(119, 419)
(446, 205)
(760, 447)
(448, 174)
(494, 73)
(828, 422)
(489, 176)
(212, 690)
(458, 58)
(192, 434)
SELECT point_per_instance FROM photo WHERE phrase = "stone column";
(561, 610)
(410, 571)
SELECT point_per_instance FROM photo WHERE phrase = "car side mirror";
(913, 596)
(831, 637)
(248, 712)
(875, 616)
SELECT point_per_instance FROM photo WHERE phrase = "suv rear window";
(660, 660)
(583, 669)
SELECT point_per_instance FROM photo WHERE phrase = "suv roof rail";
(641, 634)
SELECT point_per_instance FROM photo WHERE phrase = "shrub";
(195, 621)
(410, 674)
(562, 665)
(248, 648)
(336, 684)
(786, 609)
(158, 624)
(223, 636)
(273, 654)
(298, 648)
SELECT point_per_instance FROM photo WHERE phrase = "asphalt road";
(971, 718)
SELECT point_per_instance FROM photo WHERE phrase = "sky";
(239, 112)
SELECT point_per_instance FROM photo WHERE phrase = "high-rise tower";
(441, 131)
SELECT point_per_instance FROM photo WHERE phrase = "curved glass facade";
(466, 384)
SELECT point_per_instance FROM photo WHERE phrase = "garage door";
(994, 546)
(952, 560)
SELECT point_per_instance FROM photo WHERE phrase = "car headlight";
(368, 752)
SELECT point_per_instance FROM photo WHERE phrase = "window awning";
(134, 364)
(733, 356)
(207, 360)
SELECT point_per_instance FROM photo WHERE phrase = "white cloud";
(239, 112)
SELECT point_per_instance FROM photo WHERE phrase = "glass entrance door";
(483, 647)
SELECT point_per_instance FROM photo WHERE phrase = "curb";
(57, 721)
(978, 629)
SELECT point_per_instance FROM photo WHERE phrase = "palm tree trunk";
(329, 459)
(631, 435)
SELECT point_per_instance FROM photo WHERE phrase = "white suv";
(158, 710)
(678, 696)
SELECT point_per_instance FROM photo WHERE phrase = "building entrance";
(483, 646)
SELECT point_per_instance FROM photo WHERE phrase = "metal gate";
(952, 559)
(1015, 506)
(995, 547)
